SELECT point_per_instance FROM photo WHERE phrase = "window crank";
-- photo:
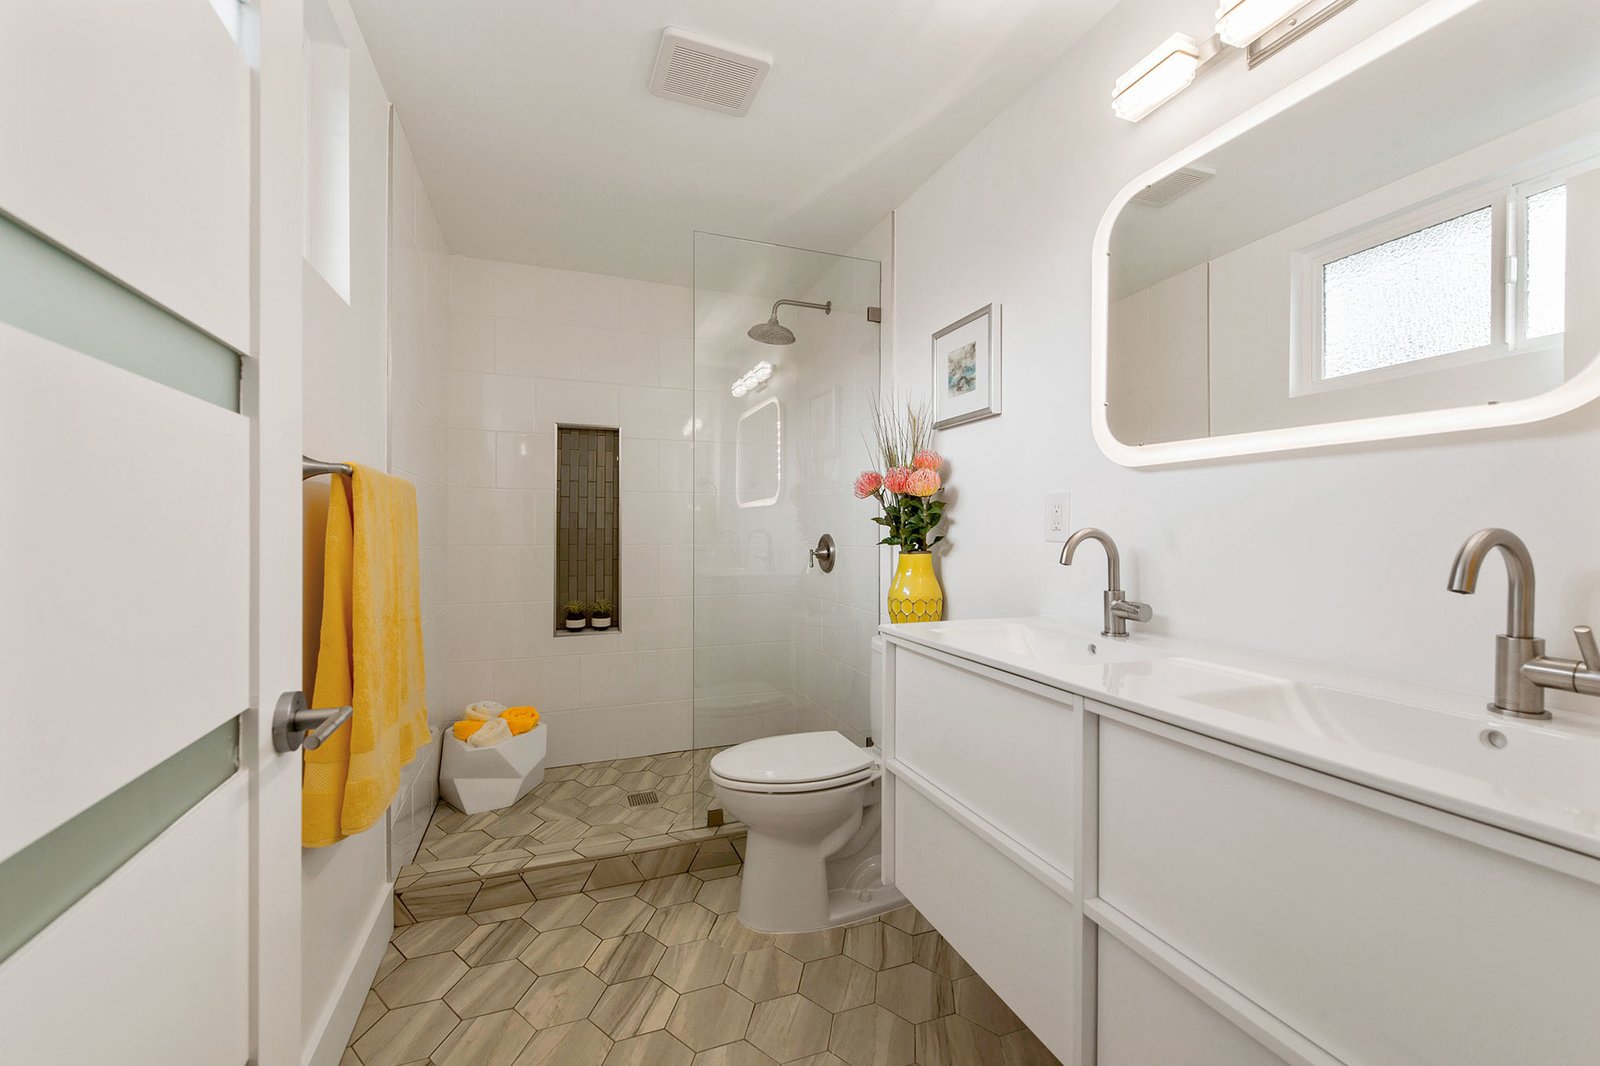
(823, 555)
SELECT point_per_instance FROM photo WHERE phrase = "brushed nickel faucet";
(1522, 671)
(1118, 608)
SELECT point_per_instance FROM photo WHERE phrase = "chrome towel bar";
(310, 467)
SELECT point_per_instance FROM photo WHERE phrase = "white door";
(150, 188)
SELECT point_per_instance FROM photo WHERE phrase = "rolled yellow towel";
(520, 719)
(465, 729)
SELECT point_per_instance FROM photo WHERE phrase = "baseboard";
(327, 1040)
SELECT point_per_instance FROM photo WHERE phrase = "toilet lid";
(796, 758)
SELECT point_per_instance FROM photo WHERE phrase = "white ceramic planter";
(601, 623)
(577, 623)
(474, 780)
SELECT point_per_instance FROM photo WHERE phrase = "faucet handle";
(1133, 610)
(1588, 651)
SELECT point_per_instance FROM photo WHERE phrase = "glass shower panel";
(780, 646)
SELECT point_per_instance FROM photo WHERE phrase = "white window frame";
(1508, 199)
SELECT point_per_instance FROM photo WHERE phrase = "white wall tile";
(466, 683)
(469, 456)
(676, 362)
(525, 461)
(469, 574)
(622, 678)
(640, 571)
(639, 461)
(677, 674)
(652, 728)
(576, 298)
(660, 622)
(656, 518)
(662, 414)
(495, 516)
(675, 570)
(540, 349)
(677, 466)
(575, 403)
(471, 344)
(630, 359)
(584, 735)
(524, 573)
(649, 307)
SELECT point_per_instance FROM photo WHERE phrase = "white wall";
(1335, 556)
(345, 906)
(530, 347)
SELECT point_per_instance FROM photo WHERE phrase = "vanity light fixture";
(753, 380)
(1240, 22)
(1156, 78)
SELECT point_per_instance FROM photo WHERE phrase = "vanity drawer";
(1007, 924)
(1144, 1018)
(1382, 939)
(1004, 750)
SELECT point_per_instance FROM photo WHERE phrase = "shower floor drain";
(642, 799)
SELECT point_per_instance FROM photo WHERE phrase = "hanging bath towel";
(370, 656)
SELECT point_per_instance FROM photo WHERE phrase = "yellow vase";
(915, 595)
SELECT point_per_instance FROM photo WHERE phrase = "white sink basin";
(1037, 643)
(1531, 758)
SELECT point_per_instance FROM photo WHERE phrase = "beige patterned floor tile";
(790, 1027)
(372, 1008)
(560, 829)
(456, 845)
(440, 901)
(505, 890)
(496, 943)
(742, 1053)
(558, 912)
(873, 1036)
(638, 781)
(574, 1044)
(720, 896)
(499, 914)
(558, 998)
(878, 946)
(907, 919)
(406, 1035)
(598, 775)
(614, 871)
(765, 973)
(716, 852)
(701, 964)
(827, 1058)
(489, 1040)
(736, 936)
(625, 957)
(681, 923)
(651, 1049)
(618, 916)
(914, 993)
(402, 917)
(1025, 1049)
(932, 951)
(386, 965)
(349, 1058)
(434, 937)
(838, 983)
(809, 946)
(419, 980)
(978, 1003)
(487, 989)
(710, 1016)
(671, 889)
(717, 873)
(600, 845)
(629, 1008)
(954, 1041)
(602, 795)
(513, 825)
(559, 949)
(600, 895)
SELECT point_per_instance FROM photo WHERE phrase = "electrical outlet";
(1057, 516)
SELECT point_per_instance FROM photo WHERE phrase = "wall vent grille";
(700, 72)
(1173, 186)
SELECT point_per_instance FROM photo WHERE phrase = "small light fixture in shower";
(774, 332)
(754, 380)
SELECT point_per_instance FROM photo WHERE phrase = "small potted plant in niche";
(600, 614)
(576, 614)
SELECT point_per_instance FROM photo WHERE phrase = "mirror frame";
(1580, 389)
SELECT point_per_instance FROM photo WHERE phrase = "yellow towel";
(370, 656)
(520, 719)
(466, 727)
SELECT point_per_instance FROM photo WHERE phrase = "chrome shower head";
(771, 332)
(774, 332)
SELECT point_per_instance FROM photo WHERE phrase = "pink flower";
(924, 482)
(868, 483)
(928, 459)
(898, 480)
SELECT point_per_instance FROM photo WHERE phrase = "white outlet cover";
(1057, 517)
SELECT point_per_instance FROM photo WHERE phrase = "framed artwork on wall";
(966, 369)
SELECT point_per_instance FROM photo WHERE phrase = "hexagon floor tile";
(661, 972)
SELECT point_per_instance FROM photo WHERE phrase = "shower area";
(786, 354)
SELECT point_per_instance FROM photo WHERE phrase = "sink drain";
(1493, 738)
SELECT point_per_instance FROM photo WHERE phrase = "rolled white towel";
(484, 711)
(492, 732)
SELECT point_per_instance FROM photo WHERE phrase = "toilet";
(811, 803)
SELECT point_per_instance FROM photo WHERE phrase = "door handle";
(295, 725)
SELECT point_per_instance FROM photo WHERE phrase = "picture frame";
(966, 369)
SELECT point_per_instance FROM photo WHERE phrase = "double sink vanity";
(1160, 853)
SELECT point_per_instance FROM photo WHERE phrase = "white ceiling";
(539, 143)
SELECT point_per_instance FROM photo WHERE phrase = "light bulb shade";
(762, 371)
(740, 389)
(1240, 22)
(1156, 78)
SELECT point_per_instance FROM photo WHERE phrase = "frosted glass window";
(1546, 259)
(1425, 294)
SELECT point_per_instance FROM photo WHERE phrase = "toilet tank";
(875, 690)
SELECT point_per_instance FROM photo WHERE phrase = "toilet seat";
(796, 762)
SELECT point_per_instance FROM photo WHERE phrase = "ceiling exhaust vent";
(699, 72)
(1174, 185)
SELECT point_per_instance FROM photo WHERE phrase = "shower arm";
(826, 308)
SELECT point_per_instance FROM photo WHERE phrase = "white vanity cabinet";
(1142, 893)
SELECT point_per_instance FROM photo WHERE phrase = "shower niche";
(588, 587)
